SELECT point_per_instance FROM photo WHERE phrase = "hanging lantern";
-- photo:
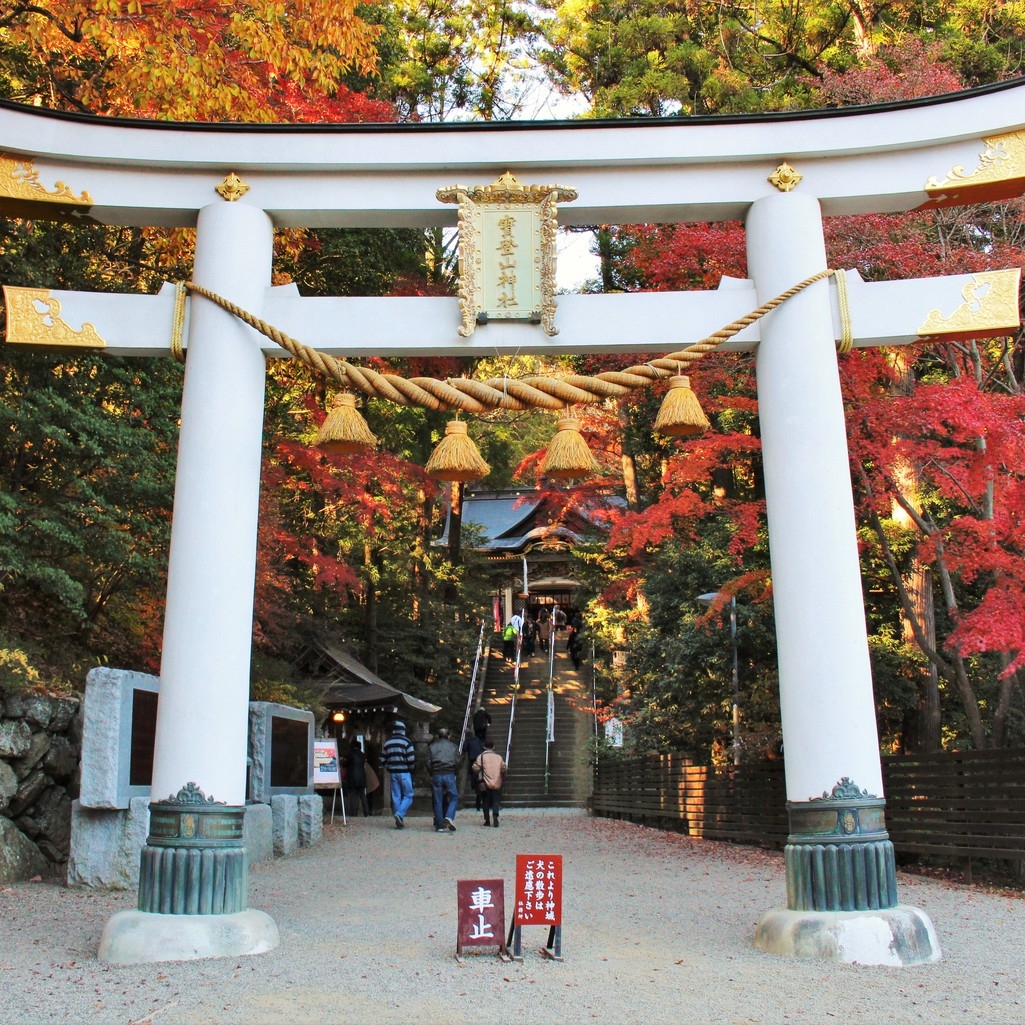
(568, 456)
(456, 458)
(344, 431)
(681, 415)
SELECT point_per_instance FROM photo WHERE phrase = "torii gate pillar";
(194, 869)
(841, 880)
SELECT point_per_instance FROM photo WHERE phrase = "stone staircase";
(569, 771)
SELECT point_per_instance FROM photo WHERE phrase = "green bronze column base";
(193, 883)
(838, 855)
(194, 861)
(842, 888)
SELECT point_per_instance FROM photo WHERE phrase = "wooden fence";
(967, 803)
(743, 804)
(954, 804)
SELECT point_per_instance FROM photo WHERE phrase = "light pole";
(707, 599)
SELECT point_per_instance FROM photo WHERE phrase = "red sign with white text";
(481, 913)
(538, 889)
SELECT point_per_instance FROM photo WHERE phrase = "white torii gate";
(842, 901)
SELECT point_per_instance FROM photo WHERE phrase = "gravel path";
(657, 927)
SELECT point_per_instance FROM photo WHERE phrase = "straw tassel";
(681, 415)
(344, 432)
(456, 458)
(568, 456)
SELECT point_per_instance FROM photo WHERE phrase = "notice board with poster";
(326, 770)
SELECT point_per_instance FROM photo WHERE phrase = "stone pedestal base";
(141, 937)
(901, 935)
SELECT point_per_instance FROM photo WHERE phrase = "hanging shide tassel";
(344, 431)
(456, 458)
(681, 415)
(568, 456)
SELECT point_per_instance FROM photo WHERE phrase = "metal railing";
(473, 685)
(512, 718)
(516, 690)
(550, 715)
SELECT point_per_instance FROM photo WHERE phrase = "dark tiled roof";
(511, 520)
(353, 685)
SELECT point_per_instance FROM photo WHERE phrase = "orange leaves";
(206, 60)
(311, 39)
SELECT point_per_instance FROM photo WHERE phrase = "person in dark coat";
(443, 759)
(481, 722)
(575, 642)
(356, 780)
(529, 636)
(474, 748)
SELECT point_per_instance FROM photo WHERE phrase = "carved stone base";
(897, 936)
(139, 937)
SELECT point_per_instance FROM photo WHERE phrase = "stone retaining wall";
(40, 746)
(40, 784)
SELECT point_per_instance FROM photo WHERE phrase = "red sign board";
(538, 889)
(481, 913)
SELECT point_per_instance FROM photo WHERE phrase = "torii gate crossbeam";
(842, 901)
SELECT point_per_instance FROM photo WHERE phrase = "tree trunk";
(603, 235)
(630, 482)
(924, 723)
(370, 636)
(455, 539)
(924, 733)
(925, 728)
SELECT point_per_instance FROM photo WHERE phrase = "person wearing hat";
(443, 762)
(398, 757)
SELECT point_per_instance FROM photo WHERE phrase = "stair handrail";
(516, 683)
(516, 659)
(550, 710)
(473, 686)
(512, 719)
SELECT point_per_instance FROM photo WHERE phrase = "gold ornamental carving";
(33, 318)
(19, 180)
(999, 175)
(233, 188)
(507, 251)
(785, 178)
(990, 308)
